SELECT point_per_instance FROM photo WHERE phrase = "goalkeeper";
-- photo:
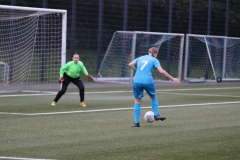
(70, 72)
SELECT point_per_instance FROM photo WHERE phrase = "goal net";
(212, 58)
(125, 46)
(32, 48)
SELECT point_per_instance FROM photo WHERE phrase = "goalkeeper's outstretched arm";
(90, 77)
(84, 70)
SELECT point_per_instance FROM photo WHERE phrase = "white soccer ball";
(149, 117)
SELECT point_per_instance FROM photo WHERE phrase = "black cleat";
(135, 125)
(158, 117)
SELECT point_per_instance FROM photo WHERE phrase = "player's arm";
(62, 69)
(163, 72)
(132, 65)
(84, 70)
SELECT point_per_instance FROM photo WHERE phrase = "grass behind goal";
(202, 123)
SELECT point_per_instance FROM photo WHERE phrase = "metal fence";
(91, 23)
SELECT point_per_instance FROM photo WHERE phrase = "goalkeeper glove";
(61, 79)
(90, 77)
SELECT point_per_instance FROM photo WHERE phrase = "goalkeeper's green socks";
(155, 106)
(137, 112)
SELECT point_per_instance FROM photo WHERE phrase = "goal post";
(32, 46)
(125, 46)
(4, 73)
(212, 58)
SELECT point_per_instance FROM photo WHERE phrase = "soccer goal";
(212, 58)
(32, 47)
(125, 46)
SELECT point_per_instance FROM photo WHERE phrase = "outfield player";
(143, 80)
(70, 72)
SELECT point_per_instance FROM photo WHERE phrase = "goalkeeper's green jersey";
(73, 70)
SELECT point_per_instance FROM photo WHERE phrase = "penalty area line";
(118, 109)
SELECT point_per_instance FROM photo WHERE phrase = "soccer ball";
(149, 116)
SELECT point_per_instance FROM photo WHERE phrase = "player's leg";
(65, 84)
(138, 94)
(154, 102)
(78, 82)
(137, 112)
(150, 89)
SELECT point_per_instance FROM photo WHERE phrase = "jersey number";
(144, 64)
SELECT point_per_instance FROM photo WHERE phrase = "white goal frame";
(13, 87)
(4, 73)
(131, 56)
(222, 47)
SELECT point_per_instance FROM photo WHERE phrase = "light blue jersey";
(145, 66)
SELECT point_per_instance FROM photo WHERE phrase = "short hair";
(153, 50)
(75, 54)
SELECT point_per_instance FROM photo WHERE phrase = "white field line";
(208, 95)
(108, 92)
(118, 109)
(18, 158)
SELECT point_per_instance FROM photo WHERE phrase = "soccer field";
(202, 123)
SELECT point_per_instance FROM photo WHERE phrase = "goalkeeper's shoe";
(135, 125)
(53, 103)
(82, 104)
(158, 117)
